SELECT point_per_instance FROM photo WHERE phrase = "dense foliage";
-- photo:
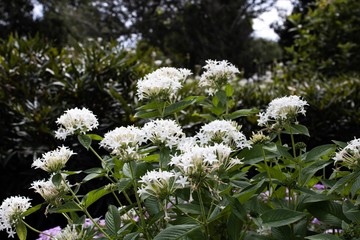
(213, 183)
(325, 38)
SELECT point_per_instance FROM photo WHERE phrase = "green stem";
(80, 206)
(141, 214)
(293, 143)
(35, 230)
(203, 214)
(271, 190)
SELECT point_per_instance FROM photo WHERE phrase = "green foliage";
(327, 39)
(38, 82)
(264, 191)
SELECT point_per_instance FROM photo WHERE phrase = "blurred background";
(61, 54)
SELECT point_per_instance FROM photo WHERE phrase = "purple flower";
(319, 186)
(45, 235)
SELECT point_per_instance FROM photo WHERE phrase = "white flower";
(51, 193)
(53, 161)
(282, 109)
(124, 142)
(222, 131)
(198, 162)
(163, 132)
(11, 212)
(350, 155)
(161, 184)
(68, 233)
(75, 121)
(217, 74)
(163, 83)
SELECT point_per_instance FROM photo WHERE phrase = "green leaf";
(93, 173)
(318, 152)
(94, 195)
(21, 230)
(66, 207)
(152, 205)
(229, 90)
(254, 155)
(281, 217)
(85, 140)
(178, 106)
(323, 236)
(355, 187)
(176, 232)
(297, 129)
(95, 137)
(112, 220)
(32, 210)
(151, 158)
(241, 113)
(123, 183)
(147, 114)
(221, 95)
(234, 226)
(328, 212)
(308, 172)
(57, 179)
(189, 208)
(132, 236)
(351, 211)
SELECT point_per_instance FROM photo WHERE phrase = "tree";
(327, 39)
(16, 15)
(193, 31)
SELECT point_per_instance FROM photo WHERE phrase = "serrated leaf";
(281, 217)
(21, 230)
(94, 195)
(176, 232)
(85, 141)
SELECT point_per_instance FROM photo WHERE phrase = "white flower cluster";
(51, 193)
(282, 109)
(222, 131)
(350, 155)
(161, 184)
(124, 142)
(53, 161)
(163, 132)
(163, 83)
(199, 161)
(217, 74)
(11, 211)
(75, 121)
(68, 233)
